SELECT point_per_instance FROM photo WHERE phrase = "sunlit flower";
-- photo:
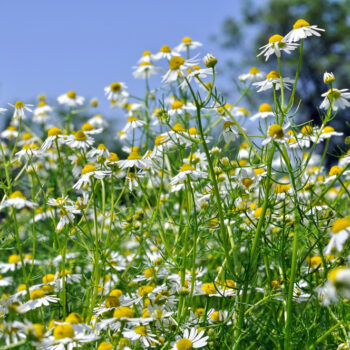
(178, 67)
(117, 92)
(340, 234)
(134, 160)
(275, 45)
(190, 340)
(20, 109)
(37, 299)
(17, 200)
(301, 30)
(273, 80)
(90, 171)
(336, 98)
(145, 70)
(165, 52)
(187, 170)
(187, 43)
(254, 74)
(79, 140)
(71, 99)
(276, 133)
(265, 110)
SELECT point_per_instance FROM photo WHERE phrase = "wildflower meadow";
(195, 234)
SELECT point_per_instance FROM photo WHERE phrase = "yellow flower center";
(63, 331)
(105, 346)
(19, 105)
(42, 104)
(145, 290)
(186, 167)
(179, 128)
(11, 128)
(176, 62)
(209, 288)
(116, 293)
(71, 94)
(335, 170)
(332, 274)
(265, 107)
(16, 194)
(215, 316)
(101, 146)
(112, 301)
(165, 49)
(186, 40)
(257, 212)
(37, 294)
(160, 140)
(254, 70)
(134, 154)
(114, 157)
(74, 318)
(14, 259)
(50, 277)
(87, 127)
(184, 344)
(88, 169)
(39, 330)
(80, 135)
(340, 225)
(282, 188)
(115, 87)
(177, 104)
(123, 311)
(300, 23)
(334, 93)
(327, 129)
(306, 130)
(247, 182)
(132, 119)
(275, 38)
(26, 136)
(142, 64)
(21, 287)
(142, 330)
(315, 261)
(276, 131)
(54, 131)
(146, 53)
(273, 75)
(193, 131)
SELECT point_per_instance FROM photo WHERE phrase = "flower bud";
(210, 60)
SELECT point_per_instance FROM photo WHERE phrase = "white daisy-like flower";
(42, 113)
(178, 67)
(100, 151)
(97, 121)
(145, 70)
(28, 152)
(190, 340)
(328, 131)
(117, 92)
(328, 78)
(66, 217)
(70, 99)
(52, 135)
(133, 123)
(37, 299)
(334, 172)
(196, 72)
(301, 30)
(20, 109)
(273, 80)
(275, 45)
(5, 281)
(340, 234)
(265, 110)
(10, 133)
(336, 98)
(187, 43)
(146, 57)
(276, 133)
(254, 74)
(143, 334)
(187, 170)
(165, 52)
(134, 160)
(79, 140)
(230, 131)
(87, 173)
(180, 107)
(17, 200)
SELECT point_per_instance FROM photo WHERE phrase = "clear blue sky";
(52, 46)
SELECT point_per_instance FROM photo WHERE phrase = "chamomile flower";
(90, 171)
(340, 234)
(18, 201)
(230, 131)
(79, 140)
(276, 133)
(187, 170)
(328, 131)
(54, 134)
(328, 78)
(97, 121)
(133, 123)
(146, 57)
(71, 99)
(10, 133)
(187, 43)
(336, 98)
(275, 45)
(145, 70)
(190, 340)
(20, 110)
(37, 299)
(254, 74)
(165, 52)
(178, 67)
(134, 160)
(265, 110)
(117, 92)
(28, 152)
(273, 80)
(301, 30)
(142, 334)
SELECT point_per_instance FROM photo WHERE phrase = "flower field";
(194, 233)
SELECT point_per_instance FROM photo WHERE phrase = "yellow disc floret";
(276, 132)
(176, 62)
(63, 331)
(300, 23)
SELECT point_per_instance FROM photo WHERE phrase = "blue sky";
(54, 46)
